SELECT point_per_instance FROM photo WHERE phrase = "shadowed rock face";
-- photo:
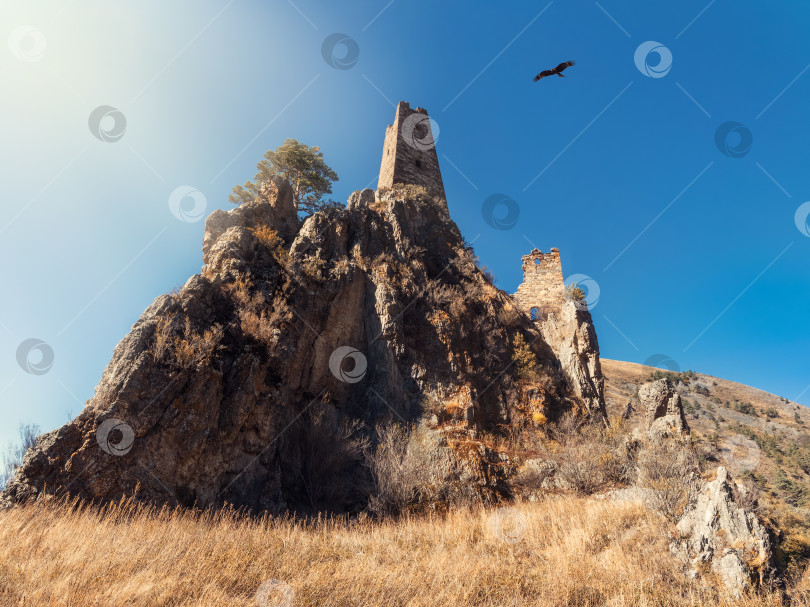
(255, 383)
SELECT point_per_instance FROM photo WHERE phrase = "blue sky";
(697, 254)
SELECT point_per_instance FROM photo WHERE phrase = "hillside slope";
(759, 436)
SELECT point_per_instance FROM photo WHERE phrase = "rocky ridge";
(261, 382)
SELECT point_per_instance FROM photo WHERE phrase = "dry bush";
(412, 192)
(523, 359)
(574, 292)
(12, 457)
(746, 494)
(267, 236)
(669, 469)
(270, 239)
(320, 451)
(266, 325)
(575, 552)
(587, 456)
(258, 318)
(192, 348)
(189, 348)
(163, 338)
(314, 268)
(407, 469)
(240, 291)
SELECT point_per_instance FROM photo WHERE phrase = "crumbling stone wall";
(565, 325)
(542, 289)
(409, 153)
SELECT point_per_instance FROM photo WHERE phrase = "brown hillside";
(760, 436)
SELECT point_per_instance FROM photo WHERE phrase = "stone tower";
(566, 326)
(542, 290)
(409, 153)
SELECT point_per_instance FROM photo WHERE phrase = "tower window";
(535, 314)
(418, 164)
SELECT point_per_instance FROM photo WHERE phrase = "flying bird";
(557, 70)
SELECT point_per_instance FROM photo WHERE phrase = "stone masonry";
(542, 291)
(566, 326)
(409, 153)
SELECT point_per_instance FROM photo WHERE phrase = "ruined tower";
(409, 153)
(566, 326)
(543, 289)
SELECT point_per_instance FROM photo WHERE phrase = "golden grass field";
(560, 551)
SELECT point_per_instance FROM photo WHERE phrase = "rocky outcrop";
(260, 382)
(663, 410)
(716, 532)
(566, 325)
(570, 332)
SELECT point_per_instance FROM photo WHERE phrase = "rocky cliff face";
(663, 409)
(264, 379)
(571, 334)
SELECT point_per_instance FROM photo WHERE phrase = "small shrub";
(321, 449)
(748, 495)
(746, 408)
(192, 348)
(407, 470)
(314, 268)
(771, 413)
(793, 492)
(573, 292)
(588, 457)
(163, 338)
(523, 359)
(539, 419)
(15, 452)
(270, 239)
(669, 470)
(267, 236)
(412, 192)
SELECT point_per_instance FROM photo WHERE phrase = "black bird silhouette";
(557, 70)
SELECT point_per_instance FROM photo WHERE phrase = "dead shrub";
(265, 325)
(270, 239)
(587, 456)
(322, 450)
(163, 338)
(746, 494)
(192, 347)
(240, 291)
(314, 268)
(524, 359)
(669, 469)
(406, 469)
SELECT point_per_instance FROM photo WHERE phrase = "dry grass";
(575, 551)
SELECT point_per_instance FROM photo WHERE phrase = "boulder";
(663, 410)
